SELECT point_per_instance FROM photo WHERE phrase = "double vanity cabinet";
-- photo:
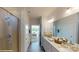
(50, 46)
(47, 45)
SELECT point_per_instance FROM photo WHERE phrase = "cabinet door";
(48, 47)
(53, 49)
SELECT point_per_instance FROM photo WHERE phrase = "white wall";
(25, 39)
(34, 21)
(46, 27)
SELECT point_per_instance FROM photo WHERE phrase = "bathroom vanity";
(50, 46)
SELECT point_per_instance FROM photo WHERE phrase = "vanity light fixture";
(51, 20)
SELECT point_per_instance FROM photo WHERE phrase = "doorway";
(35, 33)
(35, 39)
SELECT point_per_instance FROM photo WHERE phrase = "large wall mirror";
(68, 27)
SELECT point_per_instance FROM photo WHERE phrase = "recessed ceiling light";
(51, 20)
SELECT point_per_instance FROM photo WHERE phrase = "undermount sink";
(50, 39)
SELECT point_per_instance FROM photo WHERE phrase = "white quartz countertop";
(58, 46)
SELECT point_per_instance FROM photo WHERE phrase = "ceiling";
(36, 12)
(40, 11)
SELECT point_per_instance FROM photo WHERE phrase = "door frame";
(39, 31)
